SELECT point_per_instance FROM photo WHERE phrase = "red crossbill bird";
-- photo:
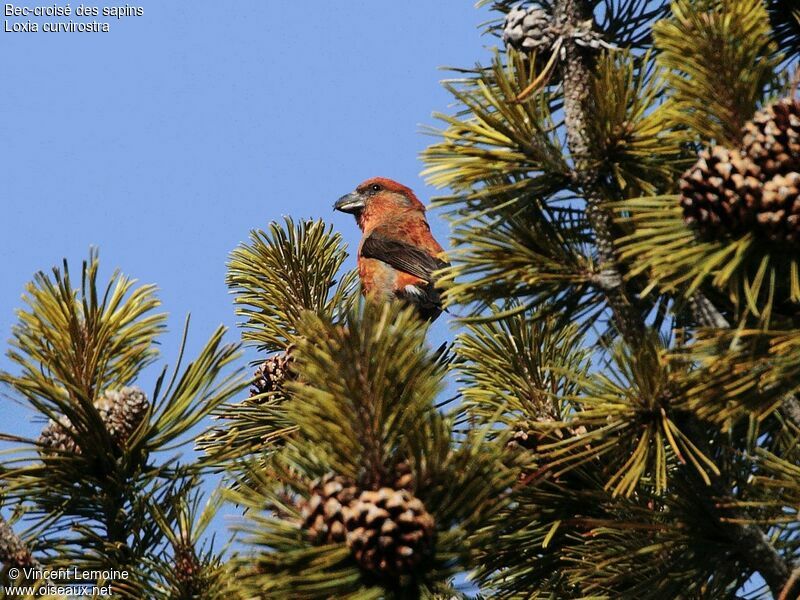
(397, 255)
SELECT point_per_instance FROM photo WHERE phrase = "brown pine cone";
(121, 411)
(13, 551)
(779, 214)
(721, 193)
(324, 511)
(772, 138)
(389, 531)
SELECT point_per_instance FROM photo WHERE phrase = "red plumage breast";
(377, 278)
(380, 279)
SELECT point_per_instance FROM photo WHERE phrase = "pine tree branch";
(791, 409)
(577, 85)
(748, 540)
(755, 548)
(792, 585)
(705, 313)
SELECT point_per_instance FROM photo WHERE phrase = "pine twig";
(577, 85)
(748, 539)
(760, 553)
(791, 409)
(792, 585)
(705, 313)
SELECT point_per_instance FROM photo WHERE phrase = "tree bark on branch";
(791, 409)
(577, 85)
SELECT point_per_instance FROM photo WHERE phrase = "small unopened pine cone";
(273, 373)
(187, 566)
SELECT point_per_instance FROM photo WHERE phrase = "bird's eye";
(376, 187)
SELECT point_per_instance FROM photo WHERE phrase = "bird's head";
(379, 197)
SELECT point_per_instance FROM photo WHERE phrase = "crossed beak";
(350, 203)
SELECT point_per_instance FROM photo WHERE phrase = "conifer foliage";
(623, 183)
(85, 494)
(649, 204)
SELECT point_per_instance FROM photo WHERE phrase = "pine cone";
(721, 192)
(324, 511)
(757, 189)
(13, 551)
(55, 436)
(772, 138)
(272, 373)
(121, 411)
(389, 531)
(779, 214)
(529, 29)
(188, 571)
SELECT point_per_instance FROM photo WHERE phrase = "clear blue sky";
(165, 140)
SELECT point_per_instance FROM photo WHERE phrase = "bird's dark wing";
(402, 256)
